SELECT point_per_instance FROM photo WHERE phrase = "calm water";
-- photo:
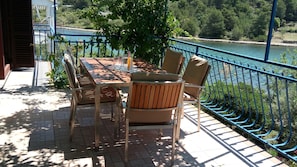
(251, 50)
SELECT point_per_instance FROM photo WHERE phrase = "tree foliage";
(247, 19)
(260, 25)
(291, 10)
(251, 17)
(77, 4)
(214, 27)
(140, 26)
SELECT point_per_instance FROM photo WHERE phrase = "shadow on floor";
(36, 133)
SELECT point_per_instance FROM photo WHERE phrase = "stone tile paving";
(34, 131)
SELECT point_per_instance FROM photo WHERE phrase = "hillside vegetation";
(218, 19)
(234, 19)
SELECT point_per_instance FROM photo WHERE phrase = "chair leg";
(161, 133)
(126, 140)
(72, 122)
(182, 113)
(173, 143)
(117, 114)
(199, 107)
(71, 110)
(179, 116)
(112, 117)
(117, 122)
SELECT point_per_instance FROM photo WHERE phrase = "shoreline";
(237, 42)
(73, 28)
(209, 40)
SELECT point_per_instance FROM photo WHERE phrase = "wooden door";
(2, 61)
(20, 20)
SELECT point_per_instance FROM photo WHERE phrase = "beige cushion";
(173, 61)
(84, 81)
(108, 94)
(150, 116)
(195, 74)
(150, 76)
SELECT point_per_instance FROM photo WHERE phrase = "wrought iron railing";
(259, 98)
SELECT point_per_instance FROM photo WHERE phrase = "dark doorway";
(16, 36)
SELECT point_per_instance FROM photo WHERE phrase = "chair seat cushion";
(84, 80)
(86, 97)
(108, 94)
(150, 116)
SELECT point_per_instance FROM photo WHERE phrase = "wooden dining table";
(107, 72)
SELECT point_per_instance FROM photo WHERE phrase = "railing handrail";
(235, 54)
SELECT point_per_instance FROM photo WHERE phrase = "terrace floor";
(34, 131)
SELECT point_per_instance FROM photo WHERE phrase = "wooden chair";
(195, 76)
(82, 77)
(173, 61)
(154, 104)
(83, 95)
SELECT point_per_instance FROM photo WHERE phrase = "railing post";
(55, 15)
(91, 43)
(271, 26)
(197, 50)
(76, 52)
(84, 51)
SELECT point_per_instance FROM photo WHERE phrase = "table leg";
(97, 115)
(117, 114)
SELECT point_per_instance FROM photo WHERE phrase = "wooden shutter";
(22, 33)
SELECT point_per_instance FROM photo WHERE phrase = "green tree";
(219, 4)
(140, 26)
(260, 25)
(244, 23)
(191, 26)
(214, 27)
(281, 9)
(189, 13)
(229, 18)
(291, 12)
(236, 33)
(277, 23)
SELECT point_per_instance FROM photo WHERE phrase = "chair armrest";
(81, 75)
(89, 87)
(193, 85)
(189, 97)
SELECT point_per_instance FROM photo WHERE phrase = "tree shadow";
(37, 134)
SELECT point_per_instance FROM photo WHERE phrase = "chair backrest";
(173, 61)
(70, 57)
(152, 101)
(108, 93)
(196, 73)
(70, 72)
